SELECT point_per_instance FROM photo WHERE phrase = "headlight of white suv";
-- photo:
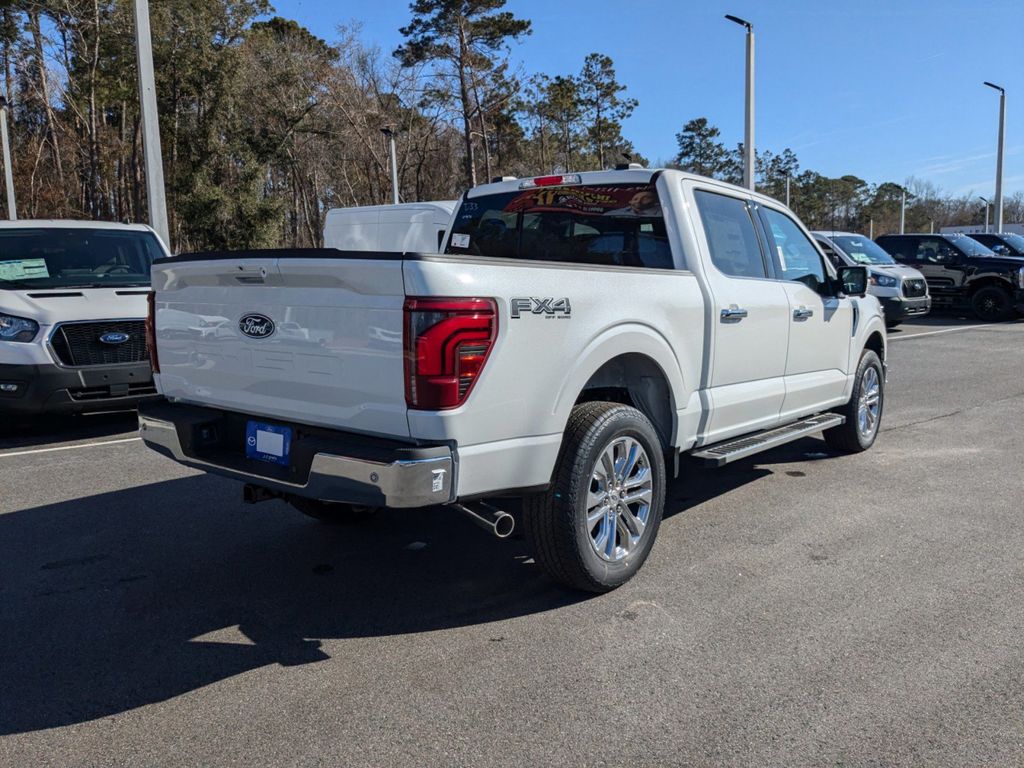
(882, 281)
(17, 328)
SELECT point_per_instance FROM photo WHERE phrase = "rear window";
(613, 224)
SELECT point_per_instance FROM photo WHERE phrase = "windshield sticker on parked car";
(460, 241)
(23, 269)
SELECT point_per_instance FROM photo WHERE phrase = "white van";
(73, 302)
(403, 228)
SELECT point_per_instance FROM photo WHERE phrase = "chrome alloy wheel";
(619, 499)
(870, 405)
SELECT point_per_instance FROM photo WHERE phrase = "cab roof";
(71, 224)
(624, 176)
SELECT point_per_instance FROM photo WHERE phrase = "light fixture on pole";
(999, 155)
(155, 193)
(12, 208)
(388, 131)
(748, 130)
(987, 204)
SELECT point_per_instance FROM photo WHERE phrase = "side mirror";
(1002, 250)
(853, 280)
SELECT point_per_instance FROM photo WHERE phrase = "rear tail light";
(447, 342)
(151, 331)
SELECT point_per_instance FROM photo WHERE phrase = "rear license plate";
(268, 442)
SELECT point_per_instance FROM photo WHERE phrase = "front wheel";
(991, 303)
(864, 410)
(593, 529)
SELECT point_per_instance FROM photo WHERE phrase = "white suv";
(72, 312)
(901, 290)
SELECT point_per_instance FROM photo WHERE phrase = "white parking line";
(946, 330)
(69, 447)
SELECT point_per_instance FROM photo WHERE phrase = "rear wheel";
(991, 303)
(331, 513)
(864, 410)
(596, 525)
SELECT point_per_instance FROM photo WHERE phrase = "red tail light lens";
(447, 342)
(151, 331)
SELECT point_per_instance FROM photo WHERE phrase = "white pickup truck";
(576, 334)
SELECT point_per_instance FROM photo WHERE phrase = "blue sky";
(882, 90)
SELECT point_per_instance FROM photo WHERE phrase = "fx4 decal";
(550, 308)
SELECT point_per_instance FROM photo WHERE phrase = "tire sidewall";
(868, 359)
(623, 423)
(1005, 300)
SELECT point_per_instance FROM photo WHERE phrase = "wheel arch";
(989, 280)
(635, 366)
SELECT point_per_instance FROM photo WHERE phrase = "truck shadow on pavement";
(41, 431)
(128, 598)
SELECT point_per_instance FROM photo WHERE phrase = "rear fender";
(633, 338)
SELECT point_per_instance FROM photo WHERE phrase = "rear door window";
(732, 239)
(613, 224)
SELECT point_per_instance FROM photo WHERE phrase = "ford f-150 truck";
(576, 334)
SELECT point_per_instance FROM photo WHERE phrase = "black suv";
(1004, 243)
(962, 272)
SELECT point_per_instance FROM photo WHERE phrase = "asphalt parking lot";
(798, 609)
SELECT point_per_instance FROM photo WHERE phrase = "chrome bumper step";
(720, 454)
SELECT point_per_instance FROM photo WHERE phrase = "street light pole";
(155, 192)
(12, 208)
(903, 208)
(987, 204)
(999, 155)
(390, 133)
(748, 130)
(787, 190)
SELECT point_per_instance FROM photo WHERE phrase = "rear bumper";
(51, 389)
(900, 308)
(325, 465)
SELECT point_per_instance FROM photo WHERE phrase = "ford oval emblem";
(114, 337)
(256, 326)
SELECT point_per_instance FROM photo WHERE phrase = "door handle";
(733, 313)
(803, 313)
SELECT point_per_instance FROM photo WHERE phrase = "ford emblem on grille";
(256, 326)
(114, 337)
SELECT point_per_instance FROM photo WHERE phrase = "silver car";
(901, 290)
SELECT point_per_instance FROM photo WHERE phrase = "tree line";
(847, 203)
(265, 126)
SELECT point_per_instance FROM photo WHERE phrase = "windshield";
(75, 258)
(1016, 242)
(971, 247)
(862, 250)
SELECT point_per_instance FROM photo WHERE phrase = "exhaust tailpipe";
(492, 519)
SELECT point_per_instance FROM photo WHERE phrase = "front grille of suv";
(78, 345)
(914, 288)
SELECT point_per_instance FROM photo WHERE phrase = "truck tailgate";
(292, 335)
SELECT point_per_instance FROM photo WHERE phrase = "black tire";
(555, 522)
(850, 437)
(331, 513)
(991, 303)
(893, 323)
